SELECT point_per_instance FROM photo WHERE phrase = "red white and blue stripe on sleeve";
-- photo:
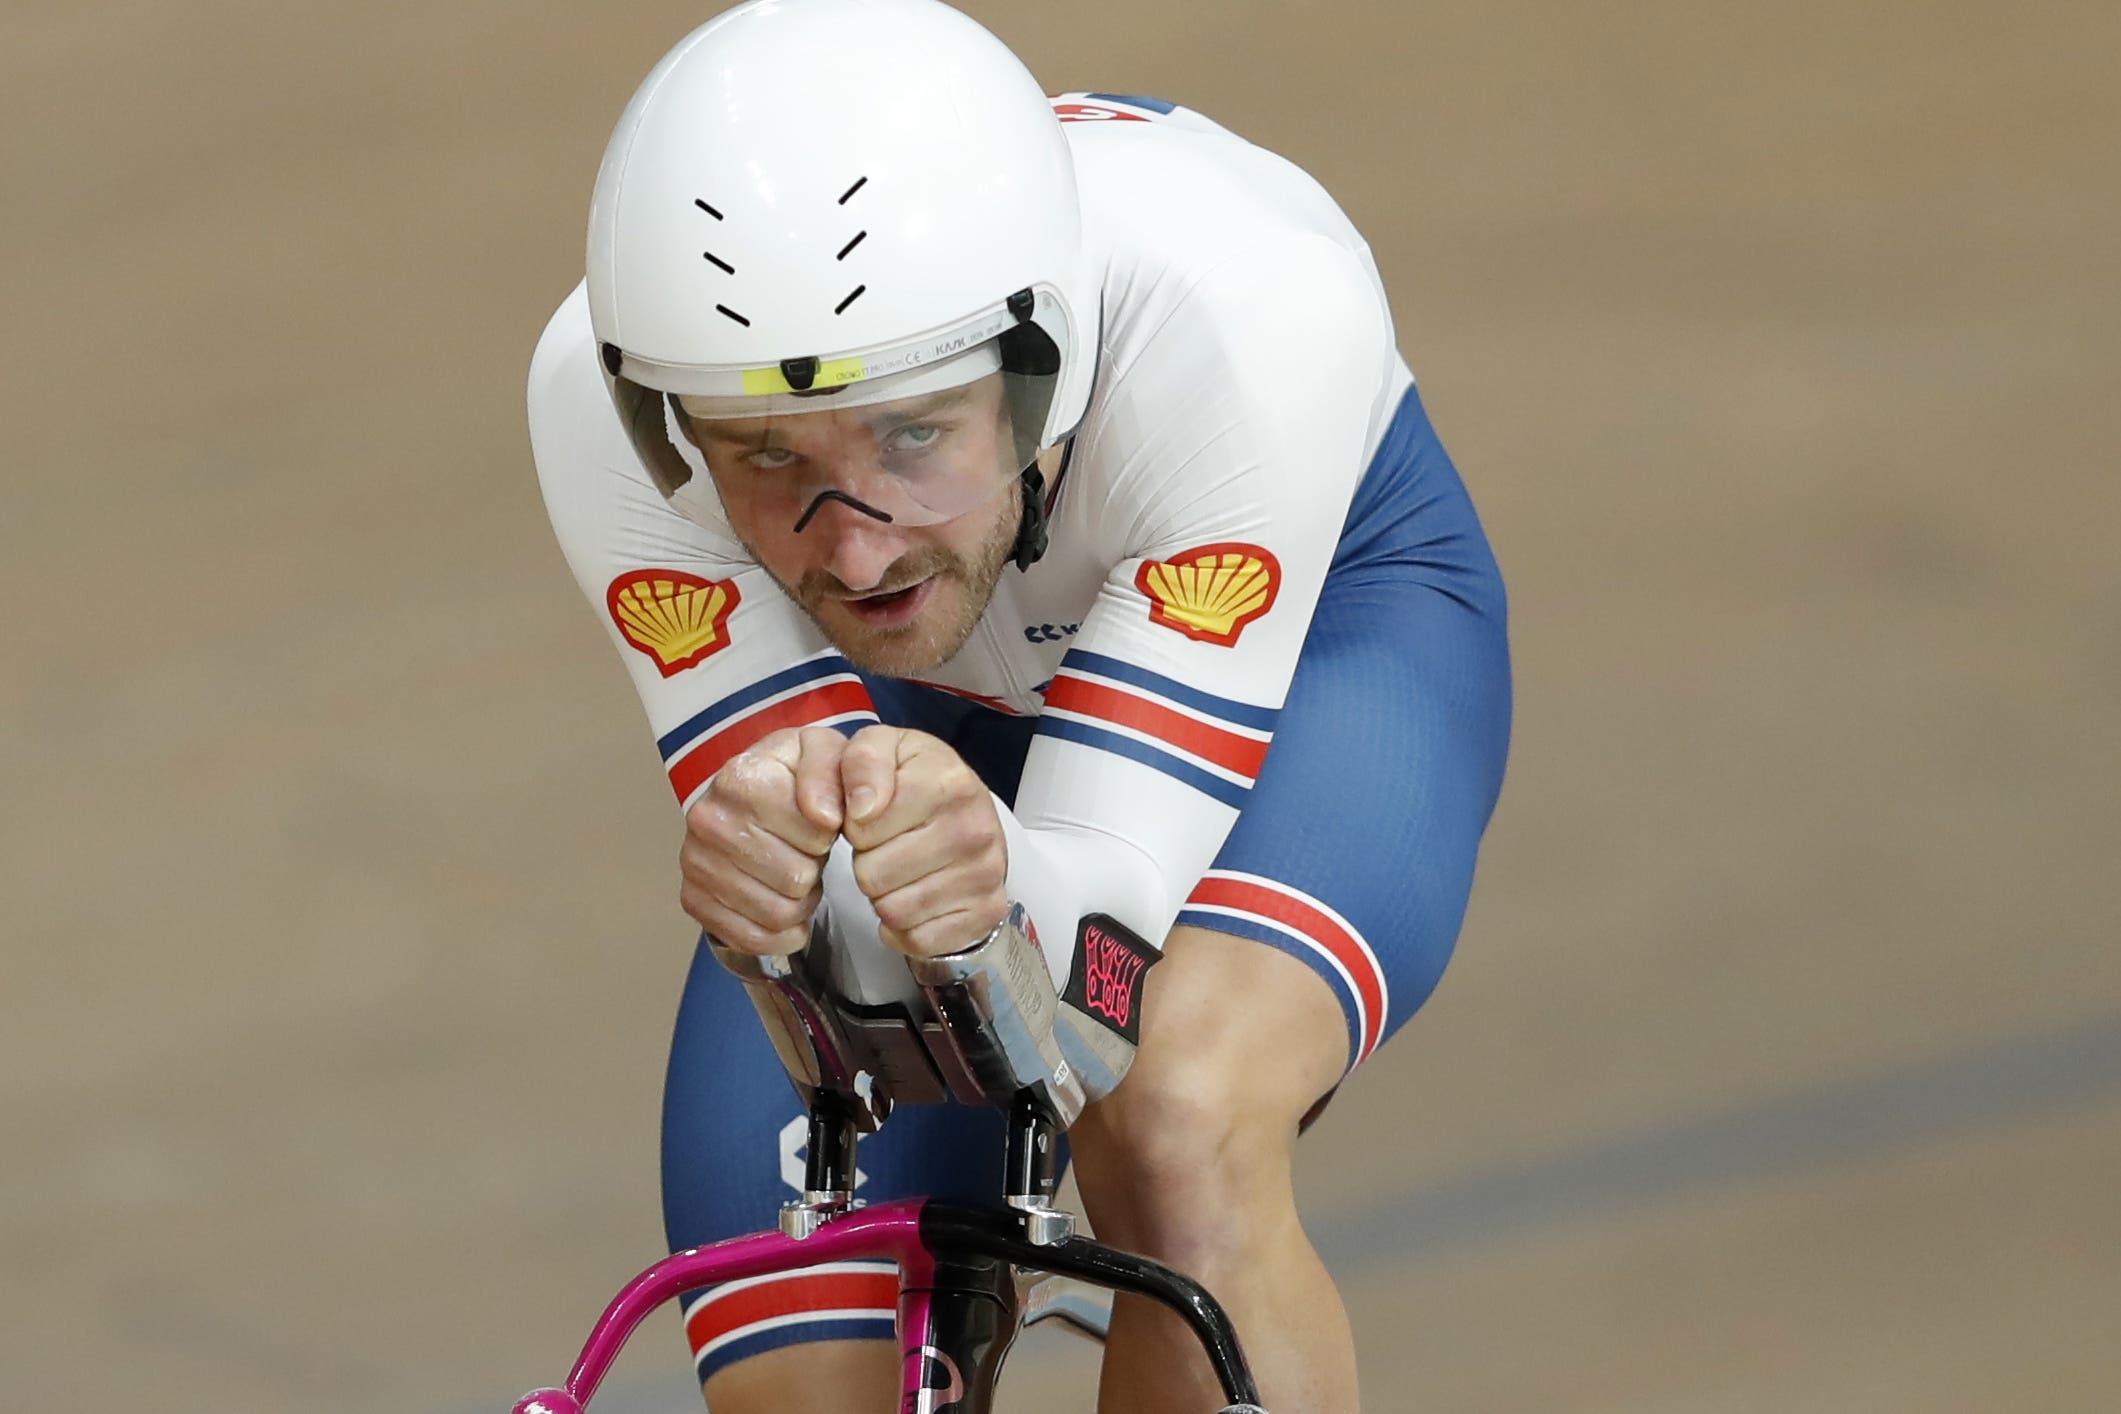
(1213, 744)
(821, 691)
(1255, 906)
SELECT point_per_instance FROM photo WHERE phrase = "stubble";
(964, 586)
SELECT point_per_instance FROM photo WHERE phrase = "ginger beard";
(921, 587)
(954, 588)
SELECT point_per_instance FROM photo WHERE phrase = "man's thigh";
(1354, 852)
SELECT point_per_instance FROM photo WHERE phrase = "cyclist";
(1001, 499)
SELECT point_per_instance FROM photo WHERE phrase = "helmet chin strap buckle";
(1031, 528)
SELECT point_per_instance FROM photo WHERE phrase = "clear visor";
(918, 448)
(914, 434)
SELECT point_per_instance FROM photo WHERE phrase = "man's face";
(896, 598)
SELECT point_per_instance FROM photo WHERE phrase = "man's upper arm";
(1251, 415)
(717, 653)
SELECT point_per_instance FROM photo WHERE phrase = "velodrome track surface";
(1781, 1064)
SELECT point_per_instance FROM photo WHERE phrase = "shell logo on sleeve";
(1211, 593)
(677, 619)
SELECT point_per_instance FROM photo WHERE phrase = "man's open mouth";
(890, 609)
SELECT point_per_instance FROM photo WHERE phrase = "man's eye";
(769, 458)
(913, 437)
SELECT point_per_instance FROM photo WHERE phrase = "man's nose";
(858, 549)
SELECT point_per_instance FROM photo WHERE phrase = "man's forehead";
(870, 415)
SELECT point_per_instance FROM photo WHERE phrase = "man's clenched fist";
(928, 847)
(756, 841)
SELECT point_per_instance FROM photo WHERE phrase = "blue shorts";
(1354, 854)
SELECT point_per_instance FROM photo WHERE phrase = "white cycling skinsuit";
(1254, 483)
(1246, 374)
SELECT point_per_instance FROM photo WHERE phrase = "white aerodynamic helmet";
(824, 203)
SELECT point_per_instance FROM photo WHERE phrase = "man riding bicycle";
(1008, 500)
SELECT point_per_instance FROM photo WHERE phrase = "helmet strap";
(1031, 528)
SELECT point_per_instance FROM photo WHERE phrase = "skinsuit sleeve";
(1227, 451)
(719, 655)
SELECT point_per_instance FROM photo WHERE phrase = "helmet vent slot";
(718, 263)
(859, 183)
(725, 309)
(858, 235)
(706, 208)
(852, 296)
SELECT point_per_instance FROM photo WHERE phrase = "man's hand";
(755, 843)
(928, 847)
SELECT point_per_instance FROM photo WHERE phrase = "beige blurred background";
(1781, 1064)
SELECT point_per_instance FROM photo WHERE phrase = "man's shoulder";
(596, 490)
(1168, 186)
(1208, 244)
(564, 363)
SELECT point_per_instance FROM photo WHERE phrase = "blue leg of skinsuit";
(1388, 756)
(1372, 800)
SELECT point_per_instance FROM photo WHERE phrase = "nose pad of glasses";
(817, 503)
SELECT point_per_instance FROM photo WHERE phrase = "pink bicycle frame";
(957, 1306)
(953, 1326)
(887, 1231)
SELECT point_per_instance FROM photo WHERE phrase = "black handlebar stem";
(1032, 1167)
(947, 1227)
(829, 1165)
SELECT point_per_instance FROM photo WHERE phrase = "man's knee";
(1238, 1042)
(1176, 1165)
(1178, 1118)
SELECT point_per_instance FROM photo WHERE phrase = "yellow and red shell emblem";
(1211, 593)
(675, 618)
